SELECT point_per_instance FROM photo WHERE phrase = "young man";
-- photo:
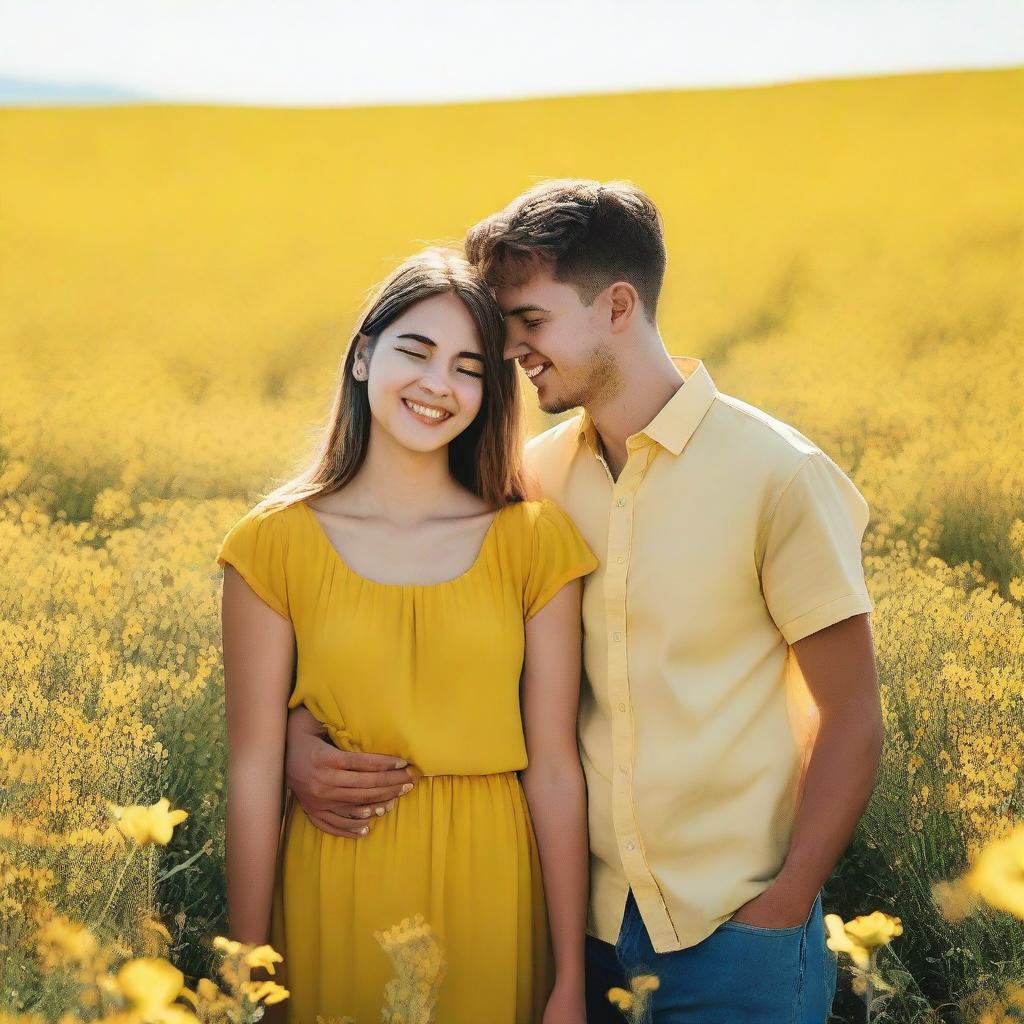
(730, 725)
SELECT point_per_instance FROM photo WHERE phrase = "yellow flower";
(1014, 995)
(269, 991)
(228, 946)
(207, 989)
(151, 985)
(148, 824)
(210, 995)
(620, 997)
(263, 956)
(874, 929)
(73, 940)
(859, 937)
(839, 942)
(419, 964)
(998, 873)
(954, 900)
(636, 999)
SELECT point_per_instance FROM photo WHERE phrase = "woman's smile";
(426, 413)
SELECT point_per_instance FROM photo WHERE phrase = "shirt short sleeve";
(256, 546)
(558, 554)
(811, 573)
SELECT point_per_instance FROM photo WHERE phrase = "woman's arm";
(553, 781)
(259, 655)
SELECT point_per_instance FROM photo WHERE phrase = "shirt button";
(622, 707)
(616, 637)
(624, 769)
(631, 845)
(621, 502)
(620, 559)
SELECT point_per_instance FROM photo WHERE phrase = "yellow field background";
(177, 287)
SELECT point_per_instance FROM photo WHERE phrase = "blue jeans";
(740, 974)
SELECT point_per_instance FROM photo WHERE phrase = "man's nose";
(515, 349)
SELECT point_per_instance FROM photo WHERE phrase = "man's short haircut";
(590, 234)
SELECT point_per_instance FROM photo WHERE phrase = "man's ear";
(625, 302)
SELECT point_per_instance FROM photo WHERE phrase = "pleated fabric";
(429, 673)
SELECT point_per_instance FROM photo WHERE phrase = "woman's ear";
(361, 359)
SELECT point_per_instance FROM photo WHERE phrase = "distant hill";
(31, 92)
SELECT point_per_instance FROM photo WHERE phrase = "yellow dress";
(430, 673)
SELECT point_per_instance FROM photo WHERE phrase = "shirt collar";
(675, 423)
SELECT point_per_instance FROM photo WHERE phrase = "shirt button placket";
(620, 536)
(617, 564)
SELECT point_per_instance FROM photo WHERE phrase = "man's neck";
(646, 386)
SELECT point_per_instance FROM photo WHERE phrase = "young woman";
(403, 591)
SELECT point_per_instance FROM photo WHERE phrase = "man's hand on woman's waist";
(341, 791)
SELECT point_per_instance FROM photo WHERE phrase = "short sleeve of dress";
(558, 554)
(256, 546)
(812, 575)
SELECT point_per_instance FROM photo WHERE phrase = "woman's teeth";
(426, 411)
(536, 370)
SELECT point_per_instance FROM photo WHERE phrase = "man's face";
(562, 345)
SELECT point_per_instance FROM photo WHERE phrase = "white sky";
(350, 52)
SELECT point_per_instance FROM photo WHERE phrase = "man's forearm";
(301, 718)
(301, 723)
(837, 787)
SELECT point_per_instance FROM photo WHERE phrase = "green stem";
(870, 994)
(117, 885)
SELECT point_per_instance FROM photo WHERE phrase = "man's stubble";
(597, 383)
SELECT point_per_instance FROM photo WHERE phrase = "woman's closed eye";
(423, 355)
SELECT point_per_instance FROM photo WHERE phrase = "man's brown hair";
(590, 234)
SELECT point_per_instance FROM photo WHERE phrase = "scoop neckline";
(333, 551)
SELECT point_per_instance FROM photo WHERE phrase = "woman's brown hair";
(486, 457)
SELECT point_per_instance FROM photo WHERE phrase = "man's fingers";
(345, 819)
(360, 761)
(356, 788)
(349, 822)
(352, 830)
(356, 776)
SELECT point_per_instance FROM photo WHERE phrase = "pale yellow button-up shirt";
(727, 537)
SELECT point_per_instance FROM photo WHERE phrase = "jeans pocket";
(757, 929)
(755, 974)
(760, 974)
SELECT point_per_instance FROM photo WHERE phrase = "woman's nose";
(435, 384)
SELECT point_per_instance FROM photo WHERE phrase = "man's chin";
(556, 406)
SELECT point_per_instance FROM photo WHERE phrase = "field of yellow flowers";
(178, 287)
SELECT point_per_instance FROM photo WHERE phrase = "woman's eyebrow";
(433, 344)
